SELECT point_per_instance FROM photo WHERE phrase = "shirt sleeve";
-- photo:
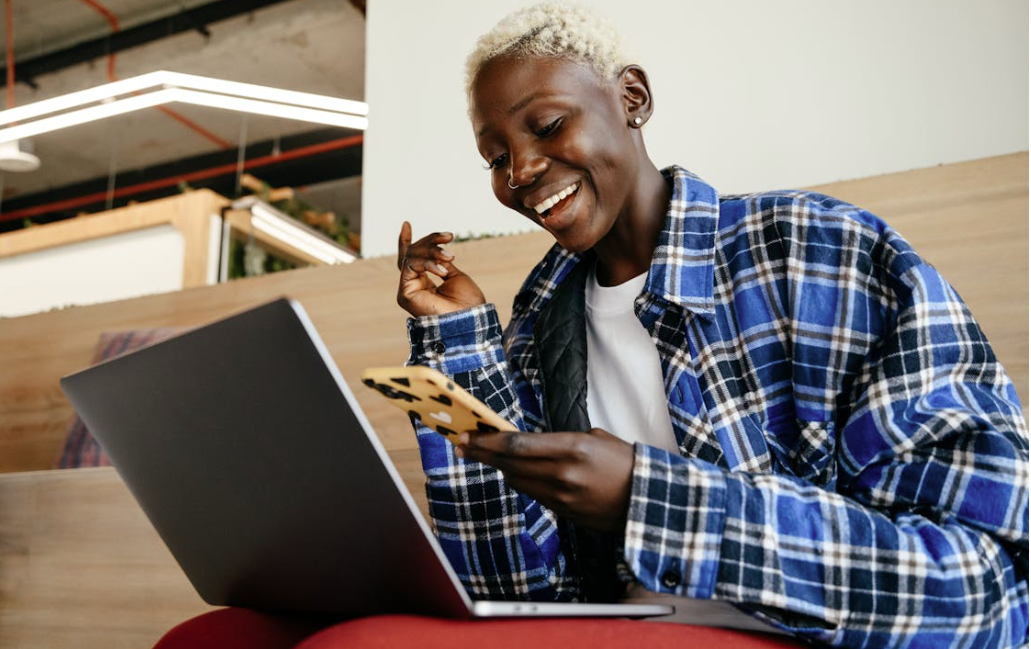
(502, 544)
(924, 539)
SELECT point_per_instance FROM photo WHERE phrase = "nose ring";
(510, 185)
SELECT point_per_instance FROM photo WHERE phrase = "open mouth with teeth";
(557, 201)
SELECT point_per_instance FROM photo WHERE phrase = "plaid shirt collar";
(682, 270)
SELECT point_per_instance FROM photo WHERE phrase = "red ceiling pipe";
(200, 174)
(9, 19)
(113, 20)
(194, 126)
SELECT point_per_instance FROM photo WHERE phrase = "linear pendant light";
(163, 87)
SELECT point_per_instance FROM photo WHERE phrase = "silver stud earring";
(638, 121)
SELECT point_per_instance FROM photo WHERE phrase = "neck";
(626, 250)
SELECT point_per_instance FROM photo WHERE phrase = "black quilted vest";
(560, 334)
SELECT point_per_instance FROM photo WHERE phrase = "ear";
(636, 95)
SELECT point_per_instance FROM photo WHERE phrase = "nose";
(527, 165)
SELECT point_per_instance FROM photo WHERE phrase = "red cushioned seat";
(391, 631)
(230, 628)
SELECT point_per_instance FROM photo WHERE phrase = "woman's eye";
(498, 161)
(545, 131)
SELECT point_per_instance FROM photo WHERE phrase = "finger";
(426, 254)
(536, 482)
(434, 239)
(404, 240)
(420, 263)
(519, 444)
(442, 255)
(451, 268)
(430, 266)
(414, 279)
(409, 273)
(515, 468)
(414, 285)
(540, 490)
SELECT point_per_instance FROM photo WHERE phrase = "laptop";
(246, 449)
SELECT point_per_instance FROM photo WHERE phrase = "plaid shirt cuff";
(675, 523)
(461, 341)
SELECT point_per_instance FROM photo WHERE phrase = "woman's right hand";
(417, 293)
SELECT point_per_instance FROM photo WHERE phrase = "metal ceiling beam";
(195, 19)
(317, 166)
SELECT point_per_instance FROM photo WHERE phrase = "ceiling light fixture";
(17, 156)
(244, 105)
(163, 87)
(84, 115)
(292, 232)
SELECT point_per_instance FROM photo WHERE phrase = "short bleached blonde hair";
(552, 29)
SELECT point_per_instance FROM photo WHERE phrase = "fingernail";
(439, 268)
(459, 452)
(463, 439)
(446, 255)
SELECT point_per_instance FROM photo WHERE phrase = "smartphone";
(434, 399)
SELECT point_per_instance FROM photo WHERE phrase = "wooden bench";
(81, 566)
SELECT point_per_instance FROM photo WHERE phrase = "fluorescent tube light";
(84, 115)
(161, 87)
(301, 242)
(289, 240)
(253, 91)
(293, 233)
(80, 97)
(267, 108)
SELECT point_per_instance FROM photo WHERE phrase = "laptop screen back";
(248, 453)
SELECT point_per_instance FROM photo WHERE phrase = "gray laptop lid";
(249, 454)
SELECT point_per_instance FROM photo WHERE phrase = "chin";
(575, 247)
(580, 238)
(572, 243)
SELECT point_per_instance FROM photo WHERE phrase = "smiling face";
(564, 138)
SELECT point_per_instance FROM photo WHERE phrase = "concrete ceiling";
(308, 45)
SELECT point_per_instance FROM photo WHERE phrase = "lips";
(544, 207)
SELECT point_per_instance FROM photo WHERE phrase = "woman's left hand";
(585, 477)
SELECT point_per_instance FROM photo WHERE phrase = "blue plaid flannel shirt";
(854, 461)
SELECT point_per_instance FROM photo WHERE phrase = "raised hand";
(420, 295)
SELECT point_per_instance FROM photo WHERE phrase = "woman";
(771, 399)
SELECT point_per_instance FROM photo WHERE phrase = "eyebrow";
(519, 105)
(522, 103)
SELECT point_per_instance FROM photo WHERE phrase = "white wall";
(120, 266)
(749, 94)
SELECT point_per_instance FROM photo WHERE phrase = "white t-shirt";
(626, 397)
(625, 393)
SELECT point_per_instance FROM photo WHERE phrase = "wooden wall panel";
(969, 219)
(81, 566)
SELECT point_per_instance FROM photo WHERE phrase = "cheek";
(497, 185)
(576, 146)
(594, 147)
(501, 192)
